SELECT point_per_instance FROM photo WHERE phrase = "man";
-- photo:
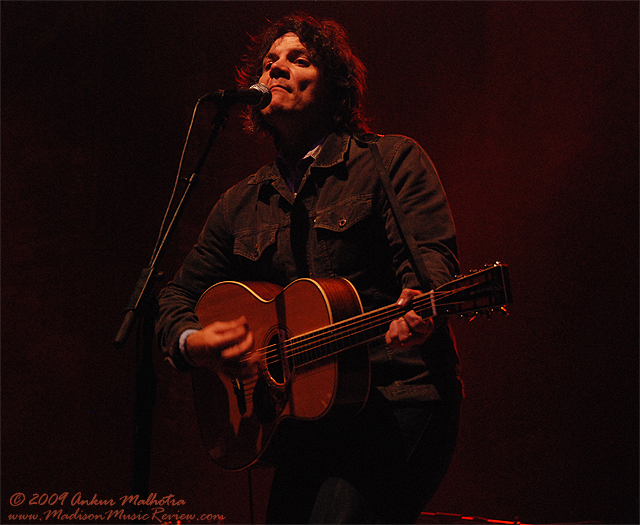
(320, 210)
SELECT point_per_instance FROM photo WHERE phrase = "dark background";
(528, 110)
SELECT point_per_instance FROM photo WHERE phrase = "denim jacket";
(339, 223)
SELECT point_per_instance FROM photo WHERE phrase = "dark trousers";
(380, 466)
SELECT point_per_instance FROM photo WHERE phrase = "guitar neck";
(482, 290)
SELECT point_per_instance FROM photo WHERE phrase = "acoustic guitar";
(313, 339)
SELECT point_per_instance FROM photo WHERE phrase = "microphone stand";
(142, 309)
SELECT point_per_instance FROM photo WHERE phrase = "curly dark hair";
(328, 44)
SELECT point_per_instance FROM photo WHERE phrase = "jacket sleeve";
(208, 262)
(425, 206)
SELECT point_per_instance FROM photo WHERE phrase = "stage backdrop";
(528, 110)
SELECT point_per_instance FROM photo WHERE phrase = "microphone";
(257, 95)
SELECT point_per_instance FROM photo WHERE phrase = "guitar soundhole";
(278, 365)
(269, 400)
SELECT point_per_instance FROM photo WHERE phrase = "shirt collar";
(313, 153)
(293, 174)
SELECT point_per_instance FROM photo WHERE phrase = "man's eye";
(302, 62)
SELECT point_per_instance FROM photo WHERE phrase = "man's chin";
(273, 113)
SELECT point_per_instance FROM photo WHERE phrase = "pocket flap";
(251, 244)
(345, 214)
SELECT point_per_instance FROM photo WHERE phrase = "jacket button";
(342, 223)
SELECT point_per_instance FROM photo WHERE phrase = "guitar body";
(238, 418)
(313, 340)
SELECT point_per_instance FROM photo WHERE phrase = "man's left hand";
(410, 329)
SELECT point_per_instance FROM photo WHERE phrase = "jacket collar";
(333, 152)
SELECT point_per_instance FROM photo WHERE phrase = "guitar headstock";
(481, 292)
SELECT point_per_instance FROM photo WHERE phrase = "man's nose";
(279, 70)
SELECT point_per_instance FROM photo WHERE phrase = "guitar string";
(351, 328)
(354, 326)
(322, 337)
(305, 343)
(316, 339)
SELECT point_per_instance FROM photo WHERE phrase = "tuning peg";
(504, 310)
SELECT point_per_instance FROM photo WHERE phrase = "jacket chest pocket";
(252, 244)
(349, 237)
(345, 215)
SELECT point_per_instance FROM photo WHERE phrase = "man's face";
(295, 83)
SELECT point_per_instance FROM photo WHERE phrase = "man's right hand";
(224, 345)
